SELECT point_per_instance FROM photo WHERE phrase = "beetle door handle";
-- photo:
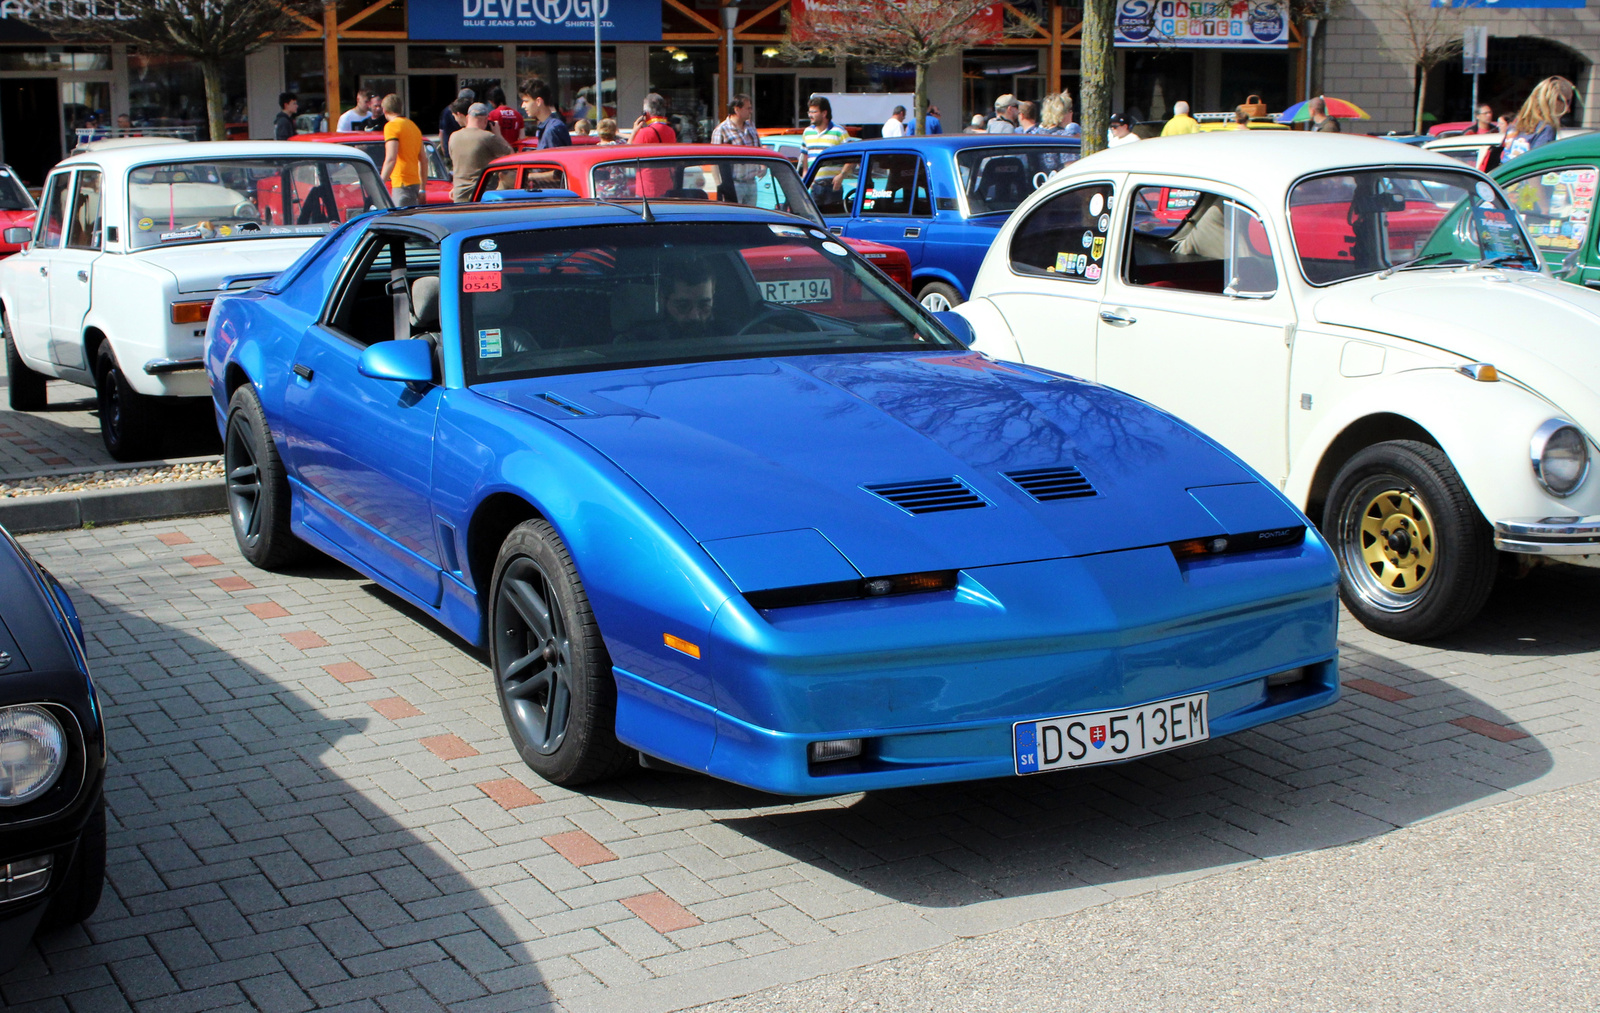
(1117, 320)
(304, 372)
(83, 275)
(43, 270)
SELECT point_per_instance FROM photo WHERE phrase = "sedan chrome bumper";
(160, 367)
(1549, 536)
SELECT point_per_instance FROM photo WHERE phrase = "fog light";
(24, 877)
(33, 749)
(1288, 678)
(834, 749)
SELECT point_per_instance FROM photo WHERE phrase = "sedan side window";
(84, 228)
(1555, 206)
(365, 309)
(1066, 236)
(895, 186)
(834, 185)
(52, 222)
(1202, 242)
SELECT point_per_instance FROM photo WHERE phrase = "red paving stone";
(579, 848)
(448, 747)
(268, 610)
(661, 912)
(1379, 690)
(175, 538)
(510, 793)
(305, 640)
(394, 707)
(233, 583)
(1500, 733)
(205, 559)
(54, 460)
(347, 671)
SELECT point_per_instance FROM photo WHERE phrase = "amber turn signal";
(191, 312)
(681, 645)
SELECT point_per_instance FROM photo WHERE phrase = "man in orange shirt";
(403, 168)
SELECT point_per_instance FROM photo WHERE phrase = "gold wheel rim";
(1397, 541)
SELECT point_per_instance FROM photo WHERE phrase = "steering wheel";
(779, 313)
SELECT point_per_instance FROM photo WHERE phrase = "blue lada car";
(941, 199)
(712, 490)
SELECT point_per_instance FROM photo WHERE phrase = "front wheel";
(1416, 558)
(129, 421)
(25, 387)
(937, 297)
(551, 669)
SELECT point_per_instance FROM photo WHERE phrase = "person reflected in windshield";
(689, 294)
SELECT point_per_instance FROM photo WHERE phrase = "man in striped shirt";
(823, 133)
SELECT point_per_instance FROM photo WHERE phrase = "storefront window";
(49, 58)
(1158, 78)
(571, 73)
(170, 91)
(687, 79)
(988, 74)
(455, 57)
(359, 67)
(878, 78)
(1269, 74)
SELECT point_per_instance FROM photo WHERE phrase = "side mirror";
(16, 235)
(408, 360)
(1569, 266)
(957, 325)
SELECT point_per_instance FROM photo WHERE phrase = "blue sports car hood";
(798, 445)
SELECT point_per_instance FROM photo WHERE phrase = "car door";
(1196, 320)
(361, 449)
(895, 207)
(29, 304)
(71, 271)
(1557, 205)
(1050, 295)
(833, 183)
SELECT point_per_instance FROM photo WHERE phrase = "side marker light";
(681, 645)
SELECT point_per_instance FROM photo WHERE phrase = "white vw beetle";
(132, 244)
(1365, 324)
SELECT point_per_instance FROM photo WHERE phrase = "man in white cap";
(1004, 120)
(1181, 122)
(472, 148)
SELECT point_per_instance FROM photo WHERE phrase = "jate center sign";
(533, 20)
(1202, 23)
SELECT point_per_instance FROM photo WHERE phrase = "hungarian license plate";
(1081, 740)
(798, 290)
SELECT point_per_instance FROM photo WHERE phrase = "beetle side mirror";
(1569, 266)
(17, 235)
(957, 325)
(406, 360)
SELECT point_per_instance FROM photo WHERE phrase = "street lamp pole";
(598, 110)
(1312, 24)
(730, 18)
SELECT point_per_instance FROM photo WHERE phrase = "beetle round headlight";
(33, 751)
(1560, 454)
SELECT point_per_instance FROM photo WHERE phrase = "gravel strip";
(110, 479)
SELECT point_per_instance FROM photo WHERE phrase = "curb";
(63, 511)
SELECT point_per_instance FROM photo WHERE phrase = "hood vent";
(562, 403)
(930, 496)
(1046, 484)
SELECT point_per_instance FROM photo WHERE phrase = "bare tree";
(1423, 35)
(213, 33)
(893, 32)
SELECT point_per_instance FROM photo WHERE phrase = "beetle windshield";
(997, 179)
(13, 195)
(247, 198)
(1354, 223)
(758, 182)
(575, 300)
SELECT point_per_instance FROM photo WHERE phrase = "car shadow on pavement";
(250, 859)
(1548, 612)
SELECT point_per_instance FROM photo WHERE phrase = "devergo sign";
(534, 20)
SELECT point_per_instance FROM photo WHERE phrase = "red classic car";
(17, 208)
(710, 172)
(370, 143)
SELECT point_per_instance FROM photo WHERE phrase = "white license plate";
(1080, 740)
(798, 290)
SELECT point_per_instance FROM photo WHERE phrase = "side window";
(53, 212)
(834, 185)
(83, 229)
(1214, 246)
(1066, 236)
(1556, 205)
(364, 308)
(500, 179)
(543, 177)
(891, 184)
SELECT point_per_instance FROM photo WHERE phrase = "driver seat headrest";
(425, 303)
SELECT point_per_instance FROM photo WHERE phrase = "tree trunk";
(1099, 72)
(1422, 96)
(919, 112)
(212, 71)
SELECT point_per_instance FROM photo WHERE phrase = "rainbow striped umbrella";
(1338, 108)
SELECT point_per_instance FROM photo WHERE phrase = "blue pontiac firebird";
(713, 491)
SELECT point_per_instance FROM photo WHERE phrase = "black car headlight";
(1560, 455)
(33, 752)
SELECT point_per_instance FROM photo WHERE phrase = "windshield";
(1357, 223)
(996, 180)
(575, 300)
(246, 198)
(374, 150)
(758, 182)
(13, 195)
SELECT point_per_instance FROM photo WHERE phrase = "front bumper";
(1549, 536)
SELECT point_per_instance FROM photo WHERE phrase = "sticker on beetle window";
(480, 281)
(1088, 240)
(489, 343)
(1093, 273)
(1104, 223)
(1099, 249)
(480, 262)
(1064, 262)
(1097, 204)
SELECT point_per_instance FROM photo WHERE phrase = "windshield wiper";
(1426, 258)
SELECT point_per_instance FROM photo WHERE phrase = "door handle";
(43, 270)
(83, 275)
(1117, 320)
(837, 230)
(304, 372)
(912, 233)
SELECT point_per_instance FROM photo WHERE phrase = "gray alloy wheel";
(937, 297)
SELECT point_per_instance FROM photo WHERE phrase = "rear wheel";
(258, 487)
(937, 297)
(129, 421)
(26, 387)
(79, 892)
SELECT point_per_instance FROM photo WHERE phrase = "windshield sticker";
(489, 343)
(1485, 191)
(788, 230)
(167, 237)
(835, 249)
(249, 227)
(488, 244)
(1097, 204)
(1088, 239)
(481, 262)
(146, 224)
(1104, 223)
(1099, 250)
(480, 281)
(818, 234)
(880, 194)
(224, 230)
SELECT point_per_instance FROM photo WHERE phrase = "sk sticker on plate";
(480, 262)
(489, 343)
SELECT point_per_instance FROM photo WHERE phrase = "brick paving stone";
(1500, 733)
(268, 610)
(577, 847)
(395, 708)
(448, 747)
(510, 793)
(233, 583)
(660, 912)
(344, 671)
(1378, 690)
(202, 560)
(174, 538)
(305, 640)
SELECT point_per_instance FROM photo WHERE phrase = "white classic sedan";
(131, 245)
(1366, 325)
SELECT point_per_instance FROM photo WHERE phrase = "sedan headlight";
(1560, 454)
(33, 751)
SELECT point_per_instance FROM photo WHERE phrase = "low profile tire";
(1416, 558)
(551, 669)
(130, 422)
(25, 387)
(79, 892)
(257, 487)
(937, 297)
